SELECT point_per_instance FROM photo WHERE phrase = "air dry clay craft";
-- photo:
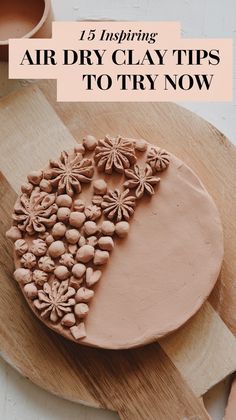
(116, 243)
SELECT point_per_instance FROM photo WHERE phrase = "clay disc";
(163, 271)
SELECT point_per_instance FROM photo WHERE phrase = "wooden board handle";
(157, 390)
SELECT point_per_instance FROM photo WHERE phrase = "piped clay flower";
(92, 212)
(39, 277)
(56, 300)
(46, 264)
(118, 205)
(141, 179)
(158, 159)
(35, 212)
(117, 154)
(28, 260)
(67, 173)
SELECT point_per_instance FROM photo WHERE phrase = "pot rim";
(47, 7)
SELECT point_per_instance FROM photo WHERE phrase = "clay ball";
(63, 214)
(64, 200)
(92, 240)
(78, 270)
(90, 228)
(23, 275)
(75, 283)
(81, 310)
(140, 145)
(79, 148)
(84, 295)
(122, 229)
(72, 249)
(68, 320)
(31, 291)
(49, 240)
(82, 241)
(46, 264)
(45, 186)
(58, 230)
(107, 228)
(97, 200)
(100, 187)
(89, 142)
(77, 219)
(40, 277)
(21, 246)
(56, 249)
(38, 247)
(100, 257)
(106, 243)
(79, 205)
(72, 236)
(85, 253)
(61, 272)
(27, 188)
(13, 234)
(35, 177)
(28, 260)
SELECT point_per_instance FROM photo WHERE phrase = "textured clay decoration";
(67, 225)
(117, 154)
(141, 179)
(158, 159)
(36, 212)
(118, 205)
(68, 172)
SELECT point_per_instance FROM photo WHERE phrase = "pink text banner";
(126, 61)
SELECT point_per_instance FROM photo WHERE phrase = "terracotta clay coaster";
(116, 243)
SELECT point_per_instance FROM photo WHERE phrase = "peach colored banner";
(126, 61)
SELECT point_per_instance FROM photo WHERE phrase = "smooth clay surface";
(158, 274)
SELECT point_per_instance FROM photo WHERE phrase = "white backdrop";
(20, 399)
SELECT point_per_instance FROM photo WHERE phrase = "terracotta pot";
(24, 19)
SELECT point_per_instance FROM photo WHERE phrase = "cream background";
(20, 399)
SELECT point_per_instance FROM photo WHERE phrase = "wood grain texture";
(30, 131)
(139, 384)
(230, 411)
(50, 135)
(204, 363)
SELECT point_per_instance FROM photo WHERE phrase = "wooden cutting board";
(138, 383)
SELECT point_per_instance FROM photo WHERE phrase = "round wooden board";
(136, 383)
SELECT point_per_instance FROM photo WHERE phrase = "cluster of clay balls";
(62, 244)
(73, 250)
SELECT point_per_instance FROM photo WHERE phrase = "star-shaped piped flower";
(118, 205)
(117, 154)
(141, 179)
(35, 212)
(68, 172)
(158, 159)
(56, 300)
